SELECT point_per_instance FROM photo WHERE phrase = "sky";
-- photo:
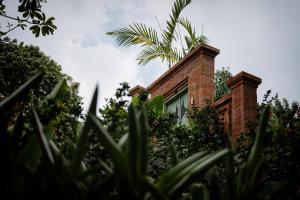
(260, 37)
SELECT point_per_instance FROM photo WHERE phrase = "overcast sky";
(261, 37)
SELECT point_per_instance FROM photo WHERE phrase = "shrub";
(38, 169)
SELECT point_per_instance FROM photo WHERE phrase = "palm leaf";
(187, 25)
(168, 34)
(137, 33)
(191, 40)
(153, 52)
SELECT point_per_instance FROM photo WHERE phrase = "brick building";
(190, 82)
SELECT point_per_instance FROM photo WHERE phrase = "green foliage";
(221, 77)
(280, 155)
(31, 14)
(203, 133)
(18, 63)
(114, 113)
(54, 176)
(162, 48)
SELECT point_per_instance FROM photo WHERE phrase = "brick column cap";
(243, 77)
(201, 49)
(137, 90)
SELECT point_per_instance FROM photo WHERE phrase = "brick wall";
(244, 101)
(195, 71)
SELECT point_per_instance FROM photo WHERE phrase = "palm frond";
(171, 55)
(187, 25)
(151, 53)
(137, 33)
(203, 39)
(168, 34)
(192, 40)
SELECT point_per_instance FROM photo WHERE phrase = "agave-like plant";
(32, 166)
(24, 157)
(160, 48)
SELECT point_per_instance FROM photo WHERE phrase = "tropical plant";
(31, 165)
(162, 48)
(32, 15)
(38, 168)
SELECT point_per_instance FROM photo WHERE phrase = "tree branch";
(19, 20)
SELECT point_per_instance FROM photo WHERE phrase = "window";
(178, 106)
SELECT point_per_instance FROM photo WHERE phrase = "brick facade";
(196, 73)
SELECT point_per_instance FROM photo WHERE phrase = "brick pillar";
(244, 101)
(135, 91)
(201, 77)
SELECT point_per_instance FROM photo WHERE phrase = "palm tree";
(160, 48)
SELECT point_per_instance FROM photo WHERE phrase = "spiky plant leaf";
(83, 137)
(248, 175)
(185, 177)
(121, 165)
(58, 92)
(43, 140)
(164, 179)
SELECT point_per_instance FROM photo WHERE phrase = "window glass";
(178, 106)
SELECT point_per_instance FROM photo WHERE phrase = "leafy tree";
(160, 48)
(32, 15)
(221, 77)
(114, 114)
(19, 62)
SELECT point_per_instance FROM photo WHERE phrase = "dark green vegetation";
(163, 47)
(221, 77)
(33, 166)
(18, 63)
(30, 14)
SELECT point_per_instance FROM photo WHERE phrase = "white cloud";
(260, 37)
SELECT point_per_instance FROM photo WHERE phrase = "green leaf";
(43, 141)
(38, 15)
(45, 30)
(200, 192)
(57, 94)
(164, 179)
(230, 172)
(20, 93)
(168, 34)
(17, 133)
(121, 166)
(25, 14)
(154, 191)
(182, 178)
(135, 34)
(123, 142)
(83, 137)
(32, 153)
(253, 163)
(60, 160)
(35, 30)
